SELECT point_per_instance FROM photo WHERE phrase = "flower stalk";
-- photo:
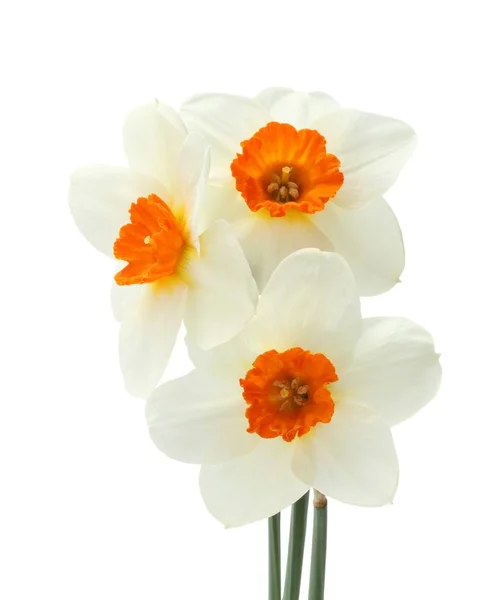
(296, 548)
(274, 561)
(319, 547)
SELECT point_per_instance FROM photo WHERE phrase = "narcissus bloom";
(294, 170)
(147, 217)
(303, 397)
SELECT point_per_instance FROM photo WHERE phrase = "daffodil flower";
(148, 218)
(304, 397)
(294, 170)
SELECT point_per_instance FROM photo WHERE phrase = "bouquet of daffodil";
(259, 223)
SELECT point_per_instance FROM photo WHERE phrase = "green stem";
(296, 548)
(319, 547)
(274, 557)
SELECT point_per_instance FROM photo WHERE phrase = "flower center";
(281, 189)
(292, 393)
(282, 168)
(152, 243)
(286, 393)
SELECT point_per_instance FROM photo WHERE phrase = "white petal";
(310, 301)
(395, 370)
(234, 357)
(100, 198)
(222, 201)
(372, 150)
(124, 298)
(351, 459)
(300, 109)
(149, 328)
(190, 181)
(251, 487)
(225, 121)
(152, 137)
(222, 293)
(200, 418)
(370, 239)
(266, 240)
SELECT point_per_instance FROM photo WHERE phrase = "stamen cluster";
(292, 394)
(281, 189)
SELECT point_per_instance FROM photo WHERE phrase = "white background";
(89, 508)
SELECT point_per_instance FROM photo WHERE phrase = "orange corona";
(283, 169)
(152, 243)
(286, 393)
